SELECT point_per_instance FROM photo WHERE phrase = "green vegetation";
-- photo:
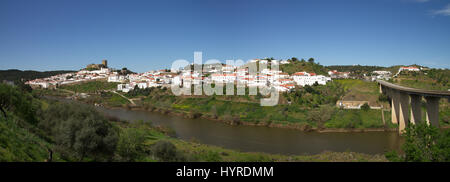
(356, 70)
(113, 99)
(424, 143)
(16, 101)
(360, 119)
(295, 109)
(63, 131)
(91, 86)
(444, 115)
(131, 144)
(79, 132)
(301, 65)
(18, 75)
(433, 79)
(299, 109)
(359, 90)
(18, 144)
(161, 147)
(140, 92)
(314, 96)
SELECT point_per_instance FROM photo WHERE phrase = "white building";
(409, 68)
(284, 62)
(124, 87)
(382, 72)
(303, 78)
(224, 78)
(116, 78)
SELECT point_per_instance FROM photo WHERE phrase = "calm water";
(264, 139)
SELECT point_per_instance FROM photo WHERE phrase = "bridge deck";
(435, 93)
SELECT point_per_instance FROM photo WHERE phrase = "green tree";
(131, 144)
(166, 151)
(18, 102)
(424, 143)
(80, 131)
(321, 115)
(365, 107)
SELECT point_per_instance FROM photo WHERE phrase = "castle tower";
(105, 63)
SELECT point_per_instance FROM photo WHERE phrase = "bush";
(321, 115)
(424, 143)
(130, 146)
(18, 102)
(166, 151)
(383, 98)
(80, 131)
(212, 156)
(365, 107)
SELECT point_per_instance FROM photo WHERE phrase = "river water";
(264, 139)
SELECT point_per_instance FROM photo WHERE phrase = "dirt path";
(131, 101)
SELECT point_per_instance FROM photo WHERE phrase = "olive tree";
(80, 131)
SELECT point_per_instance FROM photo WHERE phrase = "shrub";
(424, 143)
(18, 102)
(212, 156)
(365, 107)
(321, 115)
(80, 131)
(166, 151)
(131, 144)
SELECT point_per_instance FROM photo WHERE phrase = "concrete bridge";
(404, 99)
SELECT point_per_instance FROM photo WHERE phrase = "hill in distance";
(17, 75)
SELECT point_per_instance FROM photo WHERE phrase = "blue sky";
(146, 35)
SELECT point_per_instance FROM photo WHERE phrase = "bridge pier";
(395, 106)
(433, 111)
(403, 117)
(416, 108)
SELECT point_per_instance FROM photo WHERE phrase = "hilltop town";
(223, 73)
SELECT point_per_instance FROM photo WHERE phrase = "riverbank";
(301, 126)
(296, 126)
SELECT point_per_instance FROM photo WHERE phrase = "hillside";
(359, 90)
(19, 144)
(433, 79)
(15, 75)
(356, 69)
(302, 65)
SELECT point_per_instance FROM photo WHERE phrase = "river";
(264, 139)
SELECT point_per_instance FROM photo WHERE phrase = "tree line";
(18, 75)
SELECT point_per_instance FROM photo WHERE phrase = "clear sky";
(146, 35)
